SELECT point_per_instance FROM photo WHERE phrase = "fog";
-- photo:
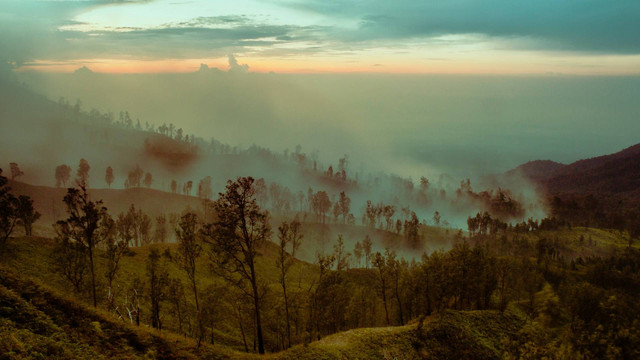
(391, 129)
(405, 124)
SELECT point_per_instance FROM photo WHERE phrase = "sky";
(583, 37)
(410, 87)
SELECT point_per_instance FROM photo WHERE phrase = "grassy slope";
(469, 330)
(450, 335)
(37, 322)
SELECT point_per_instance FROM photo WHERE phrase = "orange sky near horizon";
(613, 65)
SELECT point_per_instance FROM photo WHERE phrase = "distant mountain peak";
(83, 70)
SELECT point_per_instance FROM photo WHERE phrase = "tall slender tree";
(235, 237)
(88, 224)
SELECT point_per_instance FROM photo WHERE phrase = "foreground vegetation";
(529, 290)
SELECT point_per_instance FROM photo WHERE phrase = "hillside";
(614, 174)
(48, 201)
(37, 322)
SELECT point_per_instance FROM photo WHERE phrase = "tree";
(393, 266)
(8, 212)
(109, 176)
(116, 247)
(26, 214)
(290, 236)
(63, 173)
(134, 177)
(436, 218)
(15, 170)
(357, 253)
(204, 188)
(380, 263)
(235, 237)
(342, 257)
(158, 285)
(321, 204)
(174, 186)
(161, 233)
(148, 180)
(366, 248)
(70, 260)
(261, 192)
(189, 249)
(345, 206)
(88, 224)
(82, 174)
(186, 188)
(411, 229)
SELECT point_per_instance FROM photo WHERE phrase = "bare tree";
(235, 237)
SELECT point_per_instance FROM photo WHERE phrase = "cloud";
(234, 66)
(46, 31)
(589, 26)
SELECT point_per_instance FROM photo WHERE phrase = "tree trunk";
(384, 301)
(256, 305)
(93, 277)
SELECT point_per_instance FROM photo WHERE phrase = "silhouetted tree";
(8, 212)
(134, 177)
(357, 253)
(148, 180)
(189, 249)
(380, 263)
(204, 188)
(436, 218)
(108, 177)
(321, 204)
(88, 224)
(158, 278)
(366, 248)
(290, 236)
(26, 214)
(174, 186)
(161, 232)
(235, 237)
(63, 173)
(15, 170)
(70, 261)
(345, 206)
(116, 247)
(82, 174)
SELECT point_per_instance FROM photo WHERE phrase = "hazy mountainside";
(48, 201)
(318, 237)
(617, 173)
(537, 169)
